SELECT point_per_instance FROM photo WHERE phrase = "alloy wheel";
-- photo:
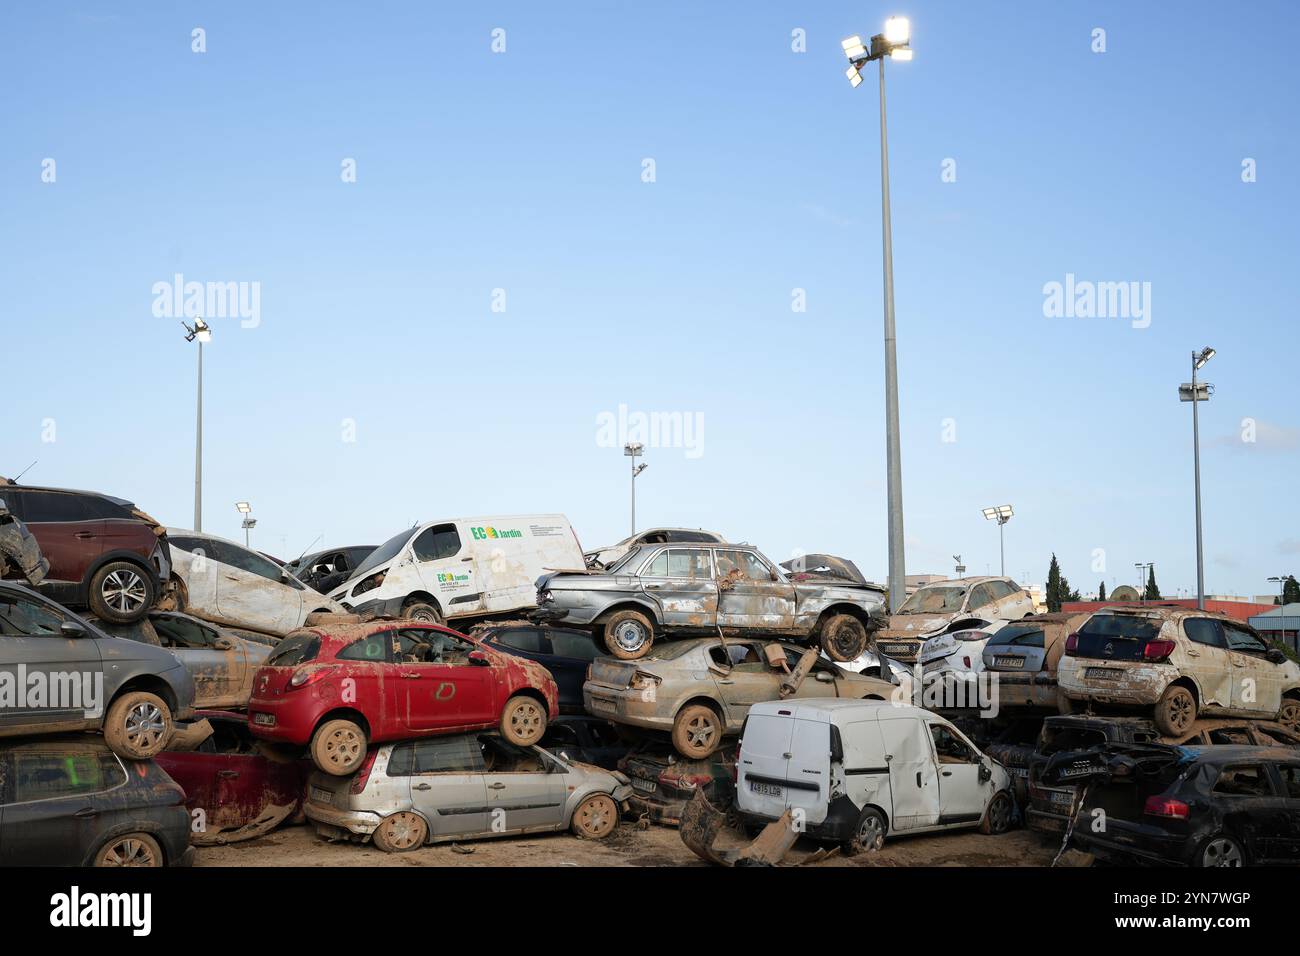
(124, 591)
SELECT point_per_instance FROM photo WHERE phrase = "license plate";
(896, 648)
(318, 795)
(265, 720)
(645, 786)
(766, 789)
(1061, 799)
(1008, 662)
(599, 703)
(1103, 673)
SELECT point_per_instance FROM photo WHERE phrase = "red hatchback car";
(340, 688)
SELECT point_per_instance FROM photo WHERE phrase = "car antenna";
(314, 540)
(14, 479)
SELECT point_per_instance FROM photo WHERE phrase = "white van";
(857, 770)
(462, 567)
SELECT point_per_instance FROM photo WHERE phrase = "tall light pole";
(249, 522)
(1197, 393)
(1280, 580)
(203, 333)
(893, 42)
(1001, 514)
(632, 450)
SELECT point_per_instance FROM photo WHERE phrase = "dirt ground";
(628, 846)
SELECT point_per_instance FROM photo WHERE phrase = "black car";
(1193, 806)
(565, 652)
(585, 740)
(70, 801)
(323, 571)
(663, 781)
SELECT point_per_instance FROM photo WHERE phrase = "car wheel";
(523, 721)
(629, 635)
(997, 818)
(422, 611)
(697, 731)
(1221, 850)
(1289, 715)
(868, 833)
(843, 637)
(338, 747)
(132, 849)
(137, 725)
(596, 817)
(121, 592)
(1176, 710)
(400, 832)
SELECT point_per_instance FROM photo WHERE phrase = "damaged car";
(1178, 664)
(323, 571)
(565, 652)
(664, 782)
(658, 592)
(961, 604)
(1025, 655)
(339, 689)
(602, 558)
(699, 691)
(20, 554)
(468, 786)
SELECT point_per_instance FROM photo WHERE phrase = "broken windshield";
(934, 601)
(385, 552)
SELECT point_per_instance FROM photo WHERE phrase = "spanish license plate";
(599, 703)
(1103, 673)
(1061, 798)
(1009, 662)
(318, 795)
(896, 648)
(264, 720)
(645, 786)
(766, 789)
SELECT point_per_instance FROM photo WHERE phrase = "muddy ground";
(628, 846)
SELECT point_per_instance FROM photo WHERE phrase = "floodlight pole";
(1196, 467)
(198, 451)
(1002, 548)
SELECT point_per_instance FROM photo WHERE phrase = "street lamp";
(1143, 567)
(249, 523)
(1197, 393)
(893, 42)
(1281, 580)
(203, 333)
(632, 450)
(1001, 514)
(960, 568)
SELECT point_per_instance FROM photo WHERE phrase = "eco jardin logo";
(445, 578)
(489, 534)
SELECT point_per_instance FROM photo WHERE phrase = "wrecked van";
(461, 568)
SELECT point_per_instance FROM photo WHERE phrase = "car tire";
(523, 720)
(697, 731)
(843, 637)
(997, 816)
(129, 849)
(1289, 714)
(1220, 850)
(338, 747)
(1176, 710)
(629, 635)
(422, 611)
(868, 833)
(121, 592)
(401, 832)
(595, 818)
(138, 725)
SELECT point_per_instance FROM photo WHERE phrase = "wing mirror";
(1274, 656)
(224, 644)
(72, 629)
(479, 659)
(985, 773)
(825, 677)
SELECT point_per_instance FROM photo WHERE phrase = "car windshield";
(385, 552)
(622, 562)
(934, 601)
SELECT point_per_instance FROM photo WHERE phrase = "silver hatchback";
(464, 786)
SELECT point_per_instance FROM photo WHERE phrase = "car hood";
(824, 567)
(916, 626)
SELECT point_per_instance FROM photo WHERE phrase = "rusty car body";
(602, 558)
(688, 589)
(700, 690)
(959, 604)
(1178, 664)
(664, 782)
(19, 551)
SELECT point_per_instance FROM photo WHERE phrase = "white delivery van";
(462, 567)
(854, 771)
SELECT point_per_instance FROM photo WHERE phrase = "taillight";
(1071, 645)
(966, 662)
(1157, 650)
(363, 775)
(1166, 807)
(309, 675)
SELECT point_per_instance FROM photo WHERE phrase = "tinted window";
(294, 649)
(373, 648)
(55, 506)
(1021, 635)
(179, 632)
(1243, 782)
(523, 639)
(1203, 630)
(40, 776)
(980, 595)
(436, 755)
(237, 557)
(1290, 781)
(1121, 625)
(20, 616)
(437, 543)
(575, 644)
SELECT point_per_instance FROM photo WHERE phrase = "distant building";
(1238, 610)
(1279, 624)
(913, 581)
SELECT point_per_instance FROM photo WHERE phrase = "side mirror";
(72, 629)
(479, 659)
(985, 773)
(224, 644)
(825, 677)
(1274, 656)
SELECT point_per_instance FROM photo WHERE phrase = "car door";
(440, 686)
(32, 642)
(1256, 681)
(70, 533)
(451, 572)
(251, 592)
(218, 664)
(58, 807)
(526, 789)
(1288, 839)
(1010, 602)
(1207, 660)
(981, 603)
(913, 773)
(751, 594)
(571, 654)
(368, 683)
(962, 795)
(743, 678)
(1252, 809)
(198, 568)
(446, 780)
(679, 582)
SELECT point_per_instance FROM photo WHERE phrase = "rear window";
(1071, 738)
(294, 649)
(526, 639)
(1125, 626)
(1021, 635)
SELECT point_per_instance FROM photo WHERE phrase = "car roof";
(58, 743)
(1163, 611)
(967, 582)
(347, 633)
(1219, 754)
(6, 483)
(827, 711)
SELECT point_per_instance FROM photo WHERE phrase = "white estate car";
(226, 583)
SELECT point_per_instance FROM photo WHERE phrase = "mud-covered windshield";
(385, 552)
(934, 601)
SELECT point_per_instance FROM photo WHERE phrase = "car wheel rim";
(1180, 711)
(426, 616)
(123, 591)
(629, 636)
(342, 748)
(526, 720)
(596, 816)
(129, 852)
(1290, 716)
(144, 726)
(1222, 852)
(869, 832)
(844, 640)
(699, 732)
(401, 831)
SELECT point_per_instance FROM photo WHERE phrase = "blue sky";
(523, 171)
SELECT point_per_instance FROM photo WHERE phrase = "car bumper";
(1132, 842)
(624, 706)
(281, 721)
(1133, 684)
(841, 820)
(354, 821)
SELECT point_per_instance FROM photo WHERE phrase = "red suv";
(339, 689)
(104, 553)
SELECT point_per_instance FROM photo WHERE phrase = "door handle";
(726, 682)
(947, 773)
(409, 675)
(1193, 654)
(653, 587)
(84, 535)
(497, 786)
(918, 778)
(422, 786)
(228, 774)
(86, 812)
(787, 756)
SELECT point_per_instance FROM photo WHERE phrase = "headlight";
(545, 597)
(370, 583)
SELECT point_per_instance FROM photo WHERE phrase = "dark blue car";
(565, 652)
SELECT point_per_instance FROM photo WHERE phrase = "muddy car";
(658, 592)
(962, 604)
(700, 691)
(1177, 665)
(664, 782)
(20, 554)
(323, 571)
(1025, 655)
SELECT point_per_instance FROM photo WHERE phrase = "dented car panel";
(958, 604)
(19, 551)
(1026, 656)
